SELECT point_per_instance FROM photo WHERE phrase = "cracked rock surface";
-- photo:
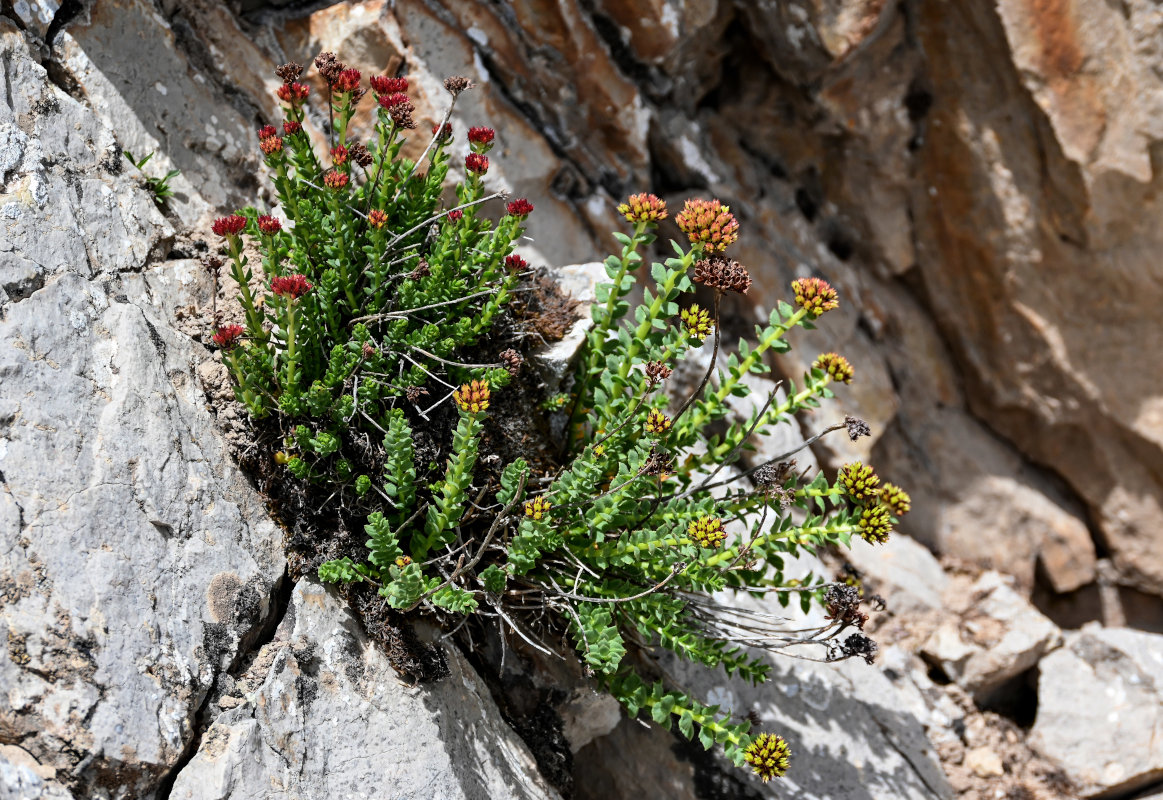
(329, 718)
(137, 563)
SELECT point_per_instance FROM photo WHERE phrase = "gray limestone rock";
(137, 562)
(903, 570)
(999, 636)
(1100, 708)
(330, 718)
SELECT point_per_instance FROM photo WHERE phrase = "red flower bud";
(227, 336)
(481, 139)
(267, 131)
(443, 135)
(290, 127)
(394, 99)
(269, 225)
(475, 162)
(293, 92)
(335, 180)
(338, 155)
(346, 81)
(520, 208)
(515, 263)
(292, 286)
(271, 145)
(382, 84)
(229, 226)
(377, 219)
(456, 216)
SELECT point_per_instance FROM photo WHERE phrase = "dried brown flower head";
(457, 84)
(723, 274)
(512, 361)
(289, 72)
(856, 428)
(656, 372)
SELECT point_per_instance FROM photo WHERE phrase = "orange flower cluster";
(643, 208)
(473, 397)
(815, 296)
(708, 222)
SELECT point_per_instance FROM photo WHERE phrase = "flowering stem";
(710, 367)
(772, 415)
(385, 149)
(805, 534)
(291, 377)
(449, 507)
(776, 333)
(640, 334)
(241, 276)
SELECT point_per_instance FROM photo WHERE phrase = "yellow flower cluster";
(708, 222)
(657, 422)
(815, 296)
(537, 508)
(860, 482)
(835, 365)
(875, 524)
(707, 531)
(768, 755)
(896, 498)
(697, 321)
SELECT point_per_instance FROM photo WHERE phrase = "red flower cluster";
(476, 163)
(227, 336)
(290, 127)
(382, 84)
(335, 180)
(481, 139)
(443, 134)
(294, 93)
(515, 263)
(229, 226)
(267, 131)
(271, 145)
(269, 225)
(520, 207)
(338, 155)
(377, 218)
(346, 81)
(293, 286)
(394, 99)
(455, 216)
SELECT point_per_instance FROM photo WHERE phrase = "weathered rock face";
(1099, 710)
(1036, 221)
(998, 637)
(138, 563)
(978, 180)
(324, 715)
(852, 146)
